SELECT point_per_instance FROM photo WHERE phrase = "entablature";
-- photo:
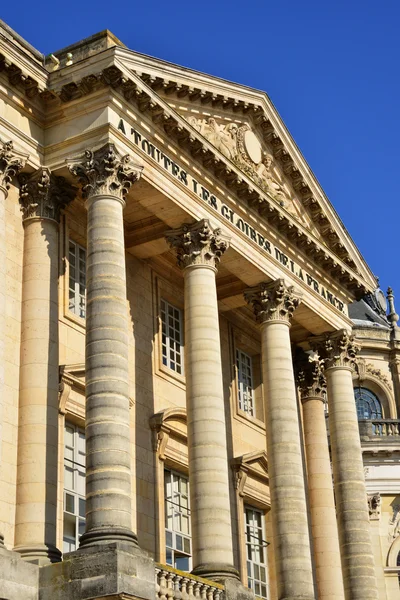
(107, 69)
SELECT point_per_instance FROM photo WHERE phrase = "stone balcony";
(176, 585)
(380, 435)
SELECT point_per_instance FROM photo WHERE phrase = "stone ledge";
(18, 579)
(114, 570)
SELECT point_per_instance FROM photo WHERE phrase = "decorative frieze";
(311, 379)
(43, 194)
(338, 349)
(198, 244)
(273, 301)
(105, 172)
(10, 164)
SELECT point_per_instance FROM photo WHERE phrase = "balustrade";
(385, 427)
(175, 585)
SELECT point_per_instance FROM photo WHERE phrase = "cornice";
(141, 93)
(22, 71)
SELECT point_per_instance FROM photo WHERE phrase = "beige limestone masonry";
(35, 534)
(199, 249)
(339, 351)
(107, 425)
(273, 305)
(328, 569)
(81, 112)
(11, 163)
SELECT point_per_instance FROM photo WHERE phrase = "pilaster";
(42, 196)
(11, 163)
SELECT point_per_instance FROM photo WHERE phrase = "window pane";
(69, 503)
(171, 339)
(68, 478)
(177, 519)
(77, 279)
(182, 563)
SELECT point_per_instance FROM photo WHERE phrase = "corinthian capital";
(311, 379)
(10, 164)
(273, 301)
(43, 194)
(198, 244)
(338, 349)
(105, 172)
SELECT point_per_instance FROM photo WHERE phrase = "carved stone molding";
(273, 301)
(374, 506)
(366, 370)
(11, 163)
(105, 172)
(253, 463)
(338, 349)
(198, 244)
(44, 194)
(163, 426)
(311, 379)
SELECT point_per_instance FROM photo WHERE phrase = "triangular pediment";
(244, 128)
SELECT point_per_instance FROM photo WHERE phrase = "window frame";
(78, 469)
(367, 397)
(165, 361)
(241, 391)
(77, 295)
(172, 548)
(251, 579)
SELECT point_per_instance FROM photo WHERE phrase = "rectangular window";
(177, 521)
(77, 279)
(172, 337)
(74, 486)
(245, 382)
(256, 553)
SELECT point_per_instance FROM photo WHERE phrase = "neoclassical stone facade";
(199, 379)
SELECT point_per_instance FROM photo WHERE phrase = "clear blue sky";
(331, 69)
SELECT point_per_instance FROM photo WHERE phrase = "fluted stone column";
(10, 164)
(199, 249)
(273, 305)
(312, 386)
(41, 197)
(106, 177)
(339, 351)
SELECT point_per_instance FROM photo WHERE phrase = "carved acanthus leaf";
(273, 301)
(311, 379)
(105, 172)
(43, 194)
(198, 244)
(338, 349)
(10, 163)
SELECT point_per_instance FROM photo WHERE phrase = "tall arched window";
(368, 405)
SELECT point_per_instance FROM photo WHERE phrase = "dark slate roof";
(364, 315)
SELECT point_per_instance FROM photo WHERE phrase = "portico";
(207, 254)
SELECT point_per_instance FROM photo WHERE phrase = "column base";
(216, 572)
(107, 570)
(108, 535)
(42, 554)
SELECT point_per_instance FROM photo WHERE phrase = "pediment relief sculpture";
(240, 144)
